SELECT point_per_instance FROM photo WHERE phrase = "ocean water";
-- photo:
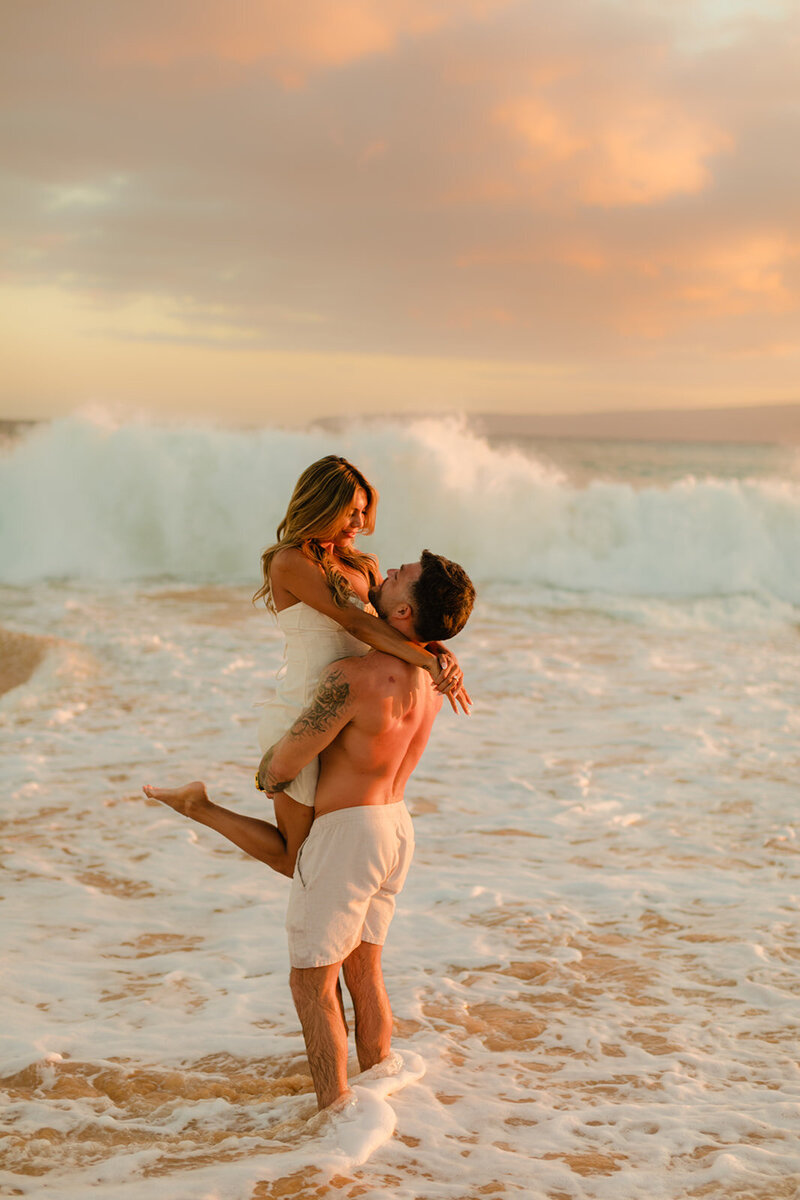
(597, 953)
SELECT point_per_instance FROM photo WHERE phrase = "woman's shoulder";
(296, 576)
(291, 558)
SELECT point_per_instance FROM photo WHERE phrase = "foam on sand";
(395, 1072)
(286, 1141)
(357, 1124)
(351, 1130)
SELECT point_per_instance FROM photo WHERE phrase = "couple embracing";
(363, 679)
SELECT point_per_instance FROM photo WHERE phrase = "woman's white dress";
(313, 642)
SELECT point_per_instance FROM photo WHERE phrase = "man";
(369, 722)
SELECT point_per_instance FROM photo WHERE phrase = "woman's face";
(352, 520)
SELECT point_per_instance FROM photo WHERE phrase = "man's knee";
(313, 984)
(305, 989)
(297, 984)
(362, 968)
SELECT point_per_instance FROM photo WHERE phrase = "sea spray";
(81, 499)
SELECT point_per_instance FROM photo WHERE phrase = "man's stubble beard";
(374, 594)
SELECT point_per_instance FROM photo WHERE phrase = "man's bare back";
(393, 709)
(369, 722)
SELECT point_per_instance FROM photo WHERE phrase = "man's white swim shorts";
(349, 870)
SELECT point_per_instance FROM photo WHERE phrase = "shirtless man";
(369, 722)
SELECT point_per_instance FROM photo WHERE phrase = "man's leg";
(373, 1014)
(315, 998)
(275, 845)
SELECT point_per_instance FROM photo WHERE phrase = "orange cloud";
(375, 150)
(631, 150)
(291, 40)
(648, 296)
(573, 252)
(469, 317)
(650, 152)
(545, 130)
(745, 274)
(748, 275)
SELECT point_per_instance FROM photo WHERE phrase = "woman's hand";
(449, 678)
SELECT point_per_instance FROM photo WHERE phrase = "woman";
(317, 584)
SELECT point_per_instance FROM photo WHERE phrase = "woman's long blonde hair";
(322, 496)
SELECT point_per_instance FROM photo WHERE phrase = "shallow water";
(597, 953)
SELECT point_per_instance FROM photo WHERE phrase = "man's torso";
(372, 758)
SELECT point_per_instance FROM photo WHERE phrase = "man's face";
(395, 589)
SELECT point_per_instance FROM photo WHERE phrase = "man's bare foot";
(190, 800)
(341, 1104)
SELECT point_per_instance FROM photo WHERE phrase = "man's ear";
(405, 612)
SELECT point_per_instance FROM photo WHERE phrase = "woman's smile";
(354, 520)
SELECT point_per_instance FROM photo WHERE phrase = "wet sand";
(20, 655)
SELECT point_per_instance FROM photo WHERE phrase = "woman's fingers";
(457, 694)
(449, 671)
(450, 682)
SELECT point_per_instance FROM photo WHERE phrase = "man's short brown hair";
(442, 597)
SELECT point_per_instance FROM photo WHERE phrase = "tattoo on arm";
(326, 707)
(272, 783)
(267, 779)
(332, 695)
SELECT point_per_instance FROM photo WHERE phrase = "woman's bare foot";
(190, 800)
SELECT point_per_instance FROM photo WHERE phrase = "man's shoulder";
(347, 675)
(377, 675)
(343, 669)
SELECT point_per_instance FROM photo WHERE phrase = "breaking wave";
(83, 499)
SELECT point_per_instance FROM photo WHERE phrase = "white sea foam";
(595, 955)
(83, 500)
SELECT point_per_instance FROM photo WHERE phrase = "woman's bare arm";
(305, 581)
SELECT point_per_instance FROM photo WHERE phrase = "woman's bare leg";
(275, 845)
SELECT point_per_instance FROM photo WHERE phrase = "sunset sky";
(275, 211)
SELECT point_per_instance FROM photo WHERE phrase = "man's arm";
(315, 728)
